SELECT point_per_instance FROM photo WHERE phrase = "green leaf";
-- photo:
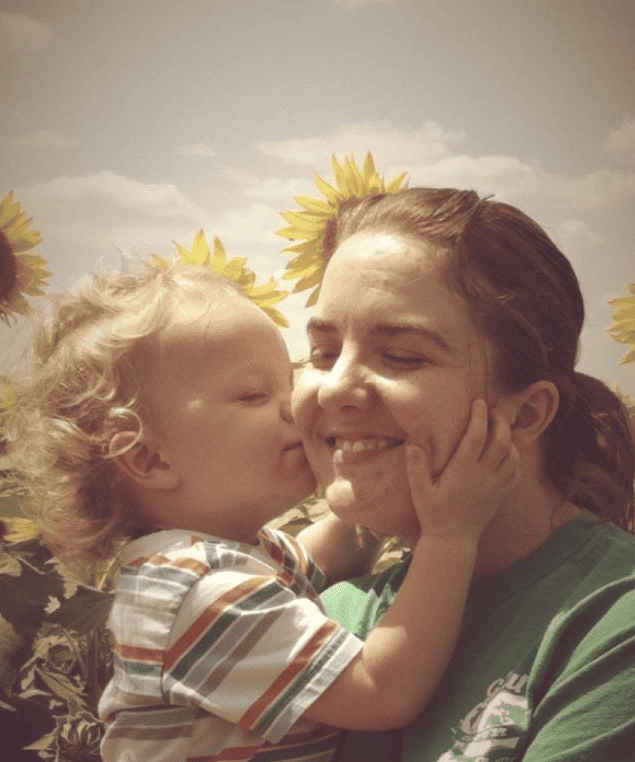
(87, 610)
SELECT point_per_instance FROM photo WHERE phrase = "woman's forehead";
(376, 284)
(388, 272)
(376, 250)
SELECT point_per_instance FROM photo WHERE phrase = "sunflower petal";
(277, 317)
(341, 178)
(315, 205)
(396, 183)
(200, 249)
(628, 357)
(8, 396)
(328, 190)
(30, 272)
(307, 225)
(15, 304)
(264, 301)
(305, 222)
(264, 296)
(312, 300)
(369, 168)
(623, 327)
(306, 259)
(158, 261)
(310, 280)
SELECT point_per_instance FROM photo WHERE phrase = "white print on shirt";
(495, 727)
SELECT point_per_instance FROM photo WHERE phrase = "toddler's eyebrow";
(316, 325)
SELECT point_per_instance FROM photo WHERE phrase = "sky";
(128, 125)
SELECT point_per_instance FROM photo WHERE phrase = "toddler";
(159, 413)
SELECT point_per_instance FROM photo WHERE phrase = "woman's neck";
(521, 526)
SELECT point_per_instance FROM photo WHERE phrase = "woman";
(430, 299)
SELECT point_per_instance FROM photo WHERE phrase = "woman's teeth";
(361, 445)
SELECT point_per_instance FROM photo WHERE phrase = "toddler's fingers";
(474, 440)
(500, 442)
(501, 456)
(419, 475)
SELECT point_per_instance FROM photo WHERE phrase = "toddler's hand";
(469, 490)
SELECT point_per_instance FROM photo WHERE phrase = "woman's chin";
(355, 506)
(384, 513)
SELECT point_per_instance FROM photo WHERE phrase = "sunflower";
(7, 394)
(308, 225)
(21, 272)
(265, 296)
(623, 327)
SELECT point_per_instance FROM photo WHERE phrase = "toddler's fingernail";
(413, 451)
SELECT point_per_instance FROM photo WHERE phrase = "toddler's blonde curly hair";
(82, 390)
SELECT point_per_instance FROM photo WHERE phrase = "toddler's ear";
(144, 464)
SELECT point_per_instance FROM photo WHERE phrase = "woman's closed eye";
(405, 360)
(322, 358)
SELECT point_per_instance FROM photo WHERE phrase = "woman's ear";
(145, 464)
(531, 411)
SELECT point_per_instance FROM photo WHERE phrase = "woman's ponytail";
(589, 451)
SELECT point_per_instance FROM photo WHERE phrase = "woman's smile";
(357, 449)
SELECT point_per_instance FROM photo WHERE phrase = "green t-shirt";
(544, 669)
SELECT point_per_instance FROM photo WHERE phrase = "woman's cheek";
(304, 398)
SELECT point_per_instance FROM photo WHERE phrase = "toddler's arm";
(340, 550)
(404, 657)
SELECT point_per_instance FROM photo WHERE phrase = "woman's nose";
(347, 384)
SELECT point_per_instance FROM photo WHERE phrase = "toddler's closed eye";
(254, 398)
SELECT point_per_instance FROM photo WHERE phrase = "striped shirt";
(220, 647)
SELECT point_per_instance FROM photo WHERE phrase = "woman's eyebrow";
(394, 328)
(403, 326)
(315, 325)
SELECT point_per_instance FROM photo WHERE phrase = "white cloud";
(353, 4)
(586, 192)
(484, 174)
(248, 228)
(275, 190)
(577, 240)
(388, 144)
(526, 184)
(197, 149)
(621, 140)
(43, 139)
(578, 231)
(105, 212)
(15, 116)
(20, 34)
(429, 156)
(119, 191)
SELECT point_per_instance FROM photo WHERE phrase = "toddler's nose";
(285, 410)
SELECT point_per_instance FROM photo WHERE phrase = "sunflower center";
(8, 268)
